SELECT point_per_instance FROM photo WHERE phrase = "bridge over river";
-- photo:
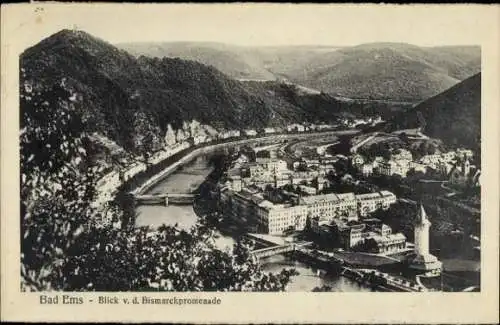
(166, 199)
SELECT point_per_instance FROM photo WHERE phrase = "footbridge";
(165, 199)
(276, 250)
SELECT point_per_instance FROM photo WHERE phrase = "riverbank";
(144, 180)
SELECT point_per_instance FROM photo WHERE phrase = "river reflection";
(187, 180)
(308, 277)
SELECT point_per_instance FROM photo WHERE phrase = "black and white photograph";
(229, 148)
(181, 165)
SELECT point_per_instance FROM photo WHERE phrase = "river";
(188, 178)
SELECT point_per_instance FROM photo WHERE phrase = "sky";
(258, 24)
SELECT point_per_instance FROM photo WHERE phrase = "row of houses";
(401, 162)
(108, 184)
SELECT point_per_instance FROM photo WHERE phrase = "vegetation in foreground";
(64, 244)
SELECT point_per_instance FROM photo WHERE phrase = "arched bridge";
(166, 199)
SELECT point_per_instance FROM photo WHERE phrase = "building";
(311, 162)
(295, 128)
(422, 259)
(269, 130)
(308, 189)
(367, 203)
(275, 219)
(462, 173)
(444, 167)
(357, 160)
(348, 234)
(324, 169)
(401, 154)
(250, 132)
(432, 161)
(393, 167)
(242, 207)
(465, 152)
(272, 164)
(199, 139)
(370, 235)
(330, 206)
(366, 169)
(417, 167)
(384, 244)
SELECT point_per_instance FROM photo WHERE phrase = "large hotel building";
(250, 207)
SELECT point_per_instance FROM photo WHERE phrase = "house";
(401, 154)
(462, 173)
(417, 167)
(269, 130)
(295, 128)
(371, 202)
(392, 167)
(366, 169)
(250, 132)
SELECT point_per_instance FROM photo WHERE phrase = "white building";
(269, 130)
(295, 128)
(366, 169)
(371, 202)
(276, 218)
(308, 189)
(401, 154)
(417, 167)
(250, 132)
(357, 160)
(271, 164)
(331, 206)
(393, 167)
(199, 139)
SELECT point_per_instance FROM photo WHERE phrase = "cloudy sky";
(259, 24)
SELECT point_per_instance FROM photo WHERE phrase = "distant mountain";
(231, 60)
(394, 71)
(390, 71)
(124, 97)
(453, 116)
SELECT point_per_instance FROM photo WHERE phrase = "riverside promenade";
(236, 142)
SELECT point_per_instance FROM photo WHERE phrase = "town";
(326, 190)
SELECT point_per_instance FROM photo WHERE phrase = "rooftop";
(332, 197)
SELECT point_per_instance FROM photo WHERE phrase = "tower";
(422, 233)
(422, 260)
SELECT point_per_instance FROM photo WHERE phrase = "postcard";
(250, 163)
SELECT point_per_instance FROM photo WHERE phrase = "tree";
(263, 154)
(404, 137)
(323, 288)
(55, 181)
(308, 226)
(66, 241)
